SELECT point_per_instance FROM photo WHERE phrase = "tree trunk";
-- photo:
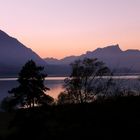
(81, 98)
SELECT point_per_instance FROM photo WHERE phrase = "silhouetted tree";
(65, 98)
(86, 81)
(30, 91)
(8, 104)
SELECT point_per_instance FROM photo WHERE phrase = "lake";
(56, 84)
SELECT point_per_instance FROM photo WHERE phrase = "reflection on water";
(62, 78)
(55, 85)
(48, 78)
(5, 86)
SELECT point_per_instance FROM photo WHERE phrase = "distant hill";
(13, 55)
(119, 61)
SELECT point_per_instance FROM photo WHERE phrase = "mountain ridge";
(14, 54)
(113, 49)
(113, 56)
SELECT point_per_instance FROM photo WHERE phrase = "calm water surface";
(54, 83)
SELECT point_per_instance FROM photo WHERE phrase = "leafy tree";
(30, 91)
(86, 81)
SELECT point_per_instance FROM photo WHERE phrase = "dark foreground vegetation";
(91, 107)
(114, 118)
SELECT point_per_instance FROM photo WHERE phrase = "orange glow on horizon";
(58, 48)
(72, 27)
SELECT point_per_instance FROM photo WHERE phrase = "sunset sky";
(58, 28)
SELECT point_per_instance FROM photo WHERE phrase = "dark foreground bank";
(111, 119)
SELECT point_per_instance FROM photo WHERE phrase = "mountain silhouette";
(119, 61)
(13, 55)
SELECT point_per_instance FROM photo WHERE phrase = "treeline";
(93, 105)
(89, 81)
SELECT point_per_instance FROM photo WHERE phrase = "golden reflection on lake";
(55, 91)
